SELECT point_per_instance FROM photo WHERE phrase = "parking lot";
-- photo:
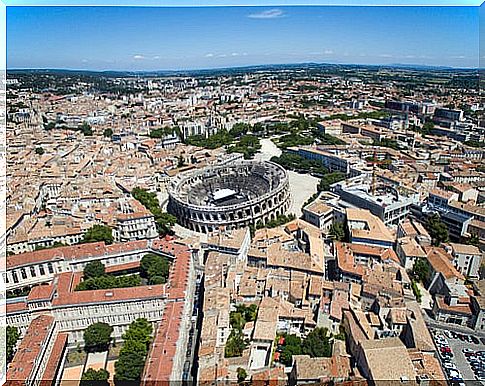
(456, 363)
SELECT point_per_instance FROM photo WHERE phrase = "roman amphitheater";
(235, 195)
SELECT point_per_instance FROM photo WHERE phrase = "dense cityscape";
(290, 224)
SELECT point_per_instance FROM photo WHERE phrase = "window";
(15, 277)
(41, 270)
(32, 272)
(50, 268)
(23, 273)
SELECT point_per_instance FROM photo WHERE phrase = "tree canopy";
(93, 269)
(108, 282)
(422, 270)
(108, 133)
(316, 344)
(437, 229)
(131, 361)
(98, 233)
(97, 337)
(337, 231)
(155, 268)
(13, 336)
(93, 377)
(149, 200)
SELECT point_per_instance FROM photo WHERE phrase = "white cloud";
(138, 57)
(234, 54)
(209, 55)
(458, 57)
(84, 60)
(328, 52)
(385, 56)
(269, 14)
(156, 57)
(221, 56)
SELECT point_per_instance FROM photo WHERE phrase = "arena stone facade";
(233, 196)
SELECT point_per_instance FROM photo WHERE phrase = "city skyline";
(132, 38)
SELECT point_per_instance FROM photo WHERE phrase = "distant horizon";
(296, 64)
(196, 38)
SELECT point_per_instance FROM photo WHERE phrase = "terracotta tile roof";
(41, 292)
(55, 357)
(159, 364)
(73, 252)
(441, 262)
(24, 360)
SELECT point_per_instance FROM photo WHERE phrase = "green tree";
(140, 330)
(165, 222)
(93, 377)
(337, 231)
(291, 347)
(180, 162)
(237, 320)
(13, 336)
(108, 133)
(317, 343)
(437, 229)
(109, 281)
(427, 127)
(98, 233)
(93, 269)
(241, 375)
(235, 344)
(149, 200)
(329, 179)
(39, 150)
(154, 268)
(248, 313)
(474, 239)
(86, 129)
(239, 129)
(131, 361)
(97, 337)
(422, 270)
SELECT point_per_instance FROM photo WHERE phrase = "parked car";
(467, 350)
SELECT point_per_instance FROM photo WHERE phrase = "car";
(466, 349)
(448, 334)
(474, 339)
(449, 365)
(441, 340)
(454, 374)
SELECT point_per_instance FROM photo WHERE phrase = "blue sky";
(148, 38)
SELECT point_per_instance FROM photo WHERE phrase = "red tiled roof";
(73, 252)
(24, 359)
(159, 364)
(55, 357)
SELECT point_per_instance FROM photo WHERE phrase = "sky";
(168, 38)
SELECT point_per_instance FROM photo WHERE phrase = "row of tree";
(155, 269)
(149, 200)
(130, 363)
